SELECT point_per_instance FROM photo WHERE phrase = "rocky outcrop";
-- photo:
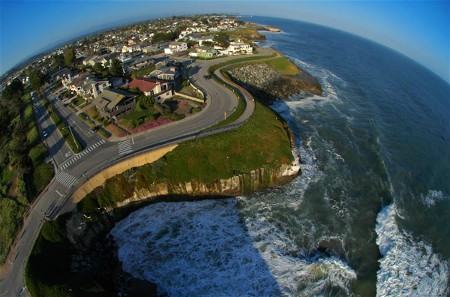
(257, 179)
(267, 84)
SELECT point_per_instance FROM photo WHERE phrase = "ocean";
(370, 214)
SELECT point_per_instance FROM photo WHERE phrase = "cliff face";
(267, 84)
(239, 184)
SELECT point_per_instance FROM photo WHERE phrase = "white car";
(44, 133)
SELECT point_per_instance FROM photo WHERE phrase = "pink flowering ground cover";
(150, 125)
(115, 130)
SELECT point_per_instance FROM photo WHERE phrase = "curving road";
(73, 170)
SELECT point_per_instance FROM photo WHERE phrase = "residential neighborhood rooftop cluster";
(106, 70)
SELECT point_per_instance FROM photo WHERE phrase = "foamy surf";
(204, 249)
(408, 267)
(193, 249)
(432, 198)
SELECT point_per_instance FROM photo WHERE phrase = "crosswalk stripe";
(77, 157)
(125, 147)
(66, 179)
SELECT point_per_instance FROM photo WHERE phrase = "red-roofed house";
(152, 87)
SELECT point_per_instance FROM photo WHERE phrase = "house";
(175, 47)
(194, 37)
(205, 39)
(160, 89)
(106, 60)
(165, 73)
(61, 74)
(85, 85)
(90, 60)
(139, 62)
(205, 52)
(127, 49)
(115, 103)
(124, 58)
(237, 48)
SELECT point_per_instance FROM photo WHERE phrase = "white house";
(176, 47)
(236, 48)
(90, 60)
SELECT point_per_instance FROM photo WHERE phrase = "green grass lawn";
(78, 101)
(143, 72)
(284, 66)
(262, 142)
(191, 91)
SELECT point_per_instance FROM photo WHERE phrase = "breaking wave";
(408, 267)
(202, 249)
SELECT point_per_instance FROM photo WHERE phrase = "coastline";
(94, 231)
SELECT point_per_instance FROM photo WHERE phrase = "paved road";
(99, 154)
(58, 148)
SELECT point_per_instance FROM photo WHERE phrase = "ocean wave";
(202, 249)
(326, 77)
(193, 248)
(409, 267)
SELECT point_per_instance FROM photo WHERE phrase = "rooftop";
(144, 84)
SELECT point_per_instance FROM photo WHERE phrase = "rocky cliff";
(267, 84)
(257, 179)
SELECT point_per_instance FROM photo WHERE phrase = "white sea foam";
(433, 197)
(327, 79)
(202, 249)
(193, 249)
(409, 267)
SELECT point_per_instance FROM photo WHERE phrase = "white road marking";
(66, 179)
(78, 156)
(125, 147)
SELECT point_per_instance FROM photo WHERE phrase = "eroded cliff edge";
(257, 179)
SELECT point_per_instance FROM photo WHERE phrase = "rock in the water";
(267, 84)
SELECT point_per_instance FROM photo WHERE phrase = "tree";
(58, 61)
(98, 68)
(36, 79)
(10, 105)
(116, 68)
(222, 39)
(69, 56)
(146, 102)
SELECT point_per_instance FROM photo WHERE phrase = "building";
(204, 52)
(176, 47)
(138, 63)
(159, 89)
(106, 60)
(61, 74)
(165, 73)
(238, 48)
(205, 39)
(115, 103)
(90, 61)
(85, 85)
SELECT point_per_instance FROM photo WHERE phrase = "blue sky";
(418, 29)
